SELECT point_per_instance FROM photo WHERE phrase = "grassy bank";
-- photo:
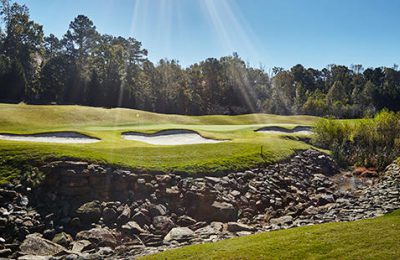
(243, 151)
(366, 239)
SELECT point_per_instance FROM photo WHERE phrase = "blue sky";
(281, 33)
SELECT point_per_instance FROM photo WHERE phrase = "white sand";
(170, 139)
(53, 138)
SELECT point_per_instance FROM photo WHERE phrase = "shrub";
(369, 142)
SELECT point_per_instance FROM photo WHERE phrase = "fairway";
(241, 152)
(366, 239)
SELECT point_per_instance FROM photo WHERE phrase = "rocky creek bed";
(83, 210)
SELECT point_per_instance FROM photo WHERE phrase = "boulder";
(36, 245)
(237, 227)
(109, 215)
(89, 212)
(63, 239)
(185, 221)
(80, 245)
(125, 215)
(162, 224)
(98, 237)
(157, 210)
(141, 218)
(179, 234)
(5, 252)
(325, 199)
(285, 220)
(132, 228)
(222, 211)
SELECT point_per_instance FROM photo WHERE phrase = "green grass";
(107, 124)
(366, 239)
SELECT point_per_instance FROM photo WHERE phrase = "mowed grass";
(242, 152)
(366, 239)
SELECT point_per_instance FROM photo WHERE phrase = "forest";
(86, 67)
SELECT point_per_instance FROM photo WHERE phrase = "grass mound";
(366, 239)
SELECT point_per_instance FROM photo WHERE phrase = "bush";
(369, 142)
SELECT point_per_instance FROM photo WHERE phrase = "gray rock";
(285, 220)
(125, 215)
(141, 218)
(132, 228)
(5, 252)
(109, 215)
(36, 245)
(179, 234)
(80, 245)
(98, 237)
(222, 211)
(162, 224)
(237, 227)
(89, 212)
(185, 221)
(325, 199)
(63, 239)
(157, 210)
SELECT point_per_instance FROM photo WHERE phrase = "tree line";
(88, 68)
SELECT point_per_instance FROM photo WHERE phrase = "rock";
(285, 220)
(89, 212)
(151, 239)
(162, 224)
(80, 245)
(185, 221)
(109, 215)
(3, 221)
(34, 257)
(9, 194)
(104, 252)
(141, 218)
(5, 252)
(215, 228)
(222, 211)
(75, 222)
(235, 193)
(98, 237)
(125, 215)
(179, 234)
(49, 233)
(132, 228)
(38, 246)
(243, 233)
(237, 227)
(369, 174)
(63, 239)
(157, 210)
(164, 179)
(325, 199)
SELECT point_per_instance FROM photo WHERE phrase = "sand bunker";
(56, 137)
(304, 130)
(170, 137)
